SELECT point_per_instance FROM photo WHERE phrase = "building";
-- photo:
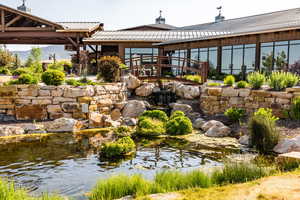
(235, 46)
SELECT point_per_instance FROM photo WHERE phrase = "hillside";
(46, 51)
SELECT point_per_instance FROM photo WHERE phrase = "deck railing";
(154, 67)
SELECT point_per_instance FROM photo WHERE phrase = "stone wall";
(34, 102)
(216, 100)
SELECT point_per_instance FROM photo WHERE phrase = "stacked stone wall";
(35, 102)
(216, 100)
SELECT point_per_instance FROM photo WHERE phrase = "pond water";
(70, 171)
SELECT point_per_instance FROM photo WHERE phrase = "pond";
(71, 171)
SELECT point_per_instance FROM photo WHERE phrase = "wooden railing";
(154, 67)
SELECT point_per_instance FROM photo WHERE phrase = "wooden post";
(257, 54)
(219, 59)
(97, 57)
(2, 20)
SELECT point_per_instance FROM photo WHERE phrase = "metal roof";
(149, 36)
(157, 26)
(80, 25)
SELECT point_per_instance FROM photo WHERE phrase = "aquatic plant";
(179, 126)
(239, 173)
(117, 149)
(229, 80)
(53, 77)
(150, 127)
(235, 114)
(256, 80)
(263, 132)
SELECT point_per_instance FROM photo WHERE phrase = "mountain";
(59, 51)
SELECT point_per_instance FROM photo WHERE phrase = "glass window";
(213, 57)
(226, 59)
(280, 57)
(266, 58)
(294, 54)
(295, 42)
(237, 59)
(268, 44)
(195, 54)
(203, 55)
(249, 59)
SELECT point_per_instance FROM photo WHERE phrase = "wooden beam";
(94, 50)
(72, 42)
(29, 29)
(11, 22)
(2, 20)
(35, 34)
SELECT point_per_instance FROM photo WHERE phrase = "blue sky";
(117, 14)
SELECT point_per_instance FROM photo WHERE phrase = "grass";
(8, 191)
(170, 181)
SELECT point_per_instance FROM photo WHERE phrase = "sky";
(117, 14)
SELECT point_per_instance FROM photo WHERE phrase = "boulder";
(132, 82)
(198, 123)
(245, 140)
(63, 125)
(288, 145)
(129, 122)
(218, 131)
(187, 91)
(181, 107)
(193, 116)
(34, 128)
(115, 114)
(145, 90)
(11, 130)
(96, 120)
(210, 124)
(134, 108)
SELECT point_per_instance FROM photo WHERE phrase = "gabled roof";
(81, 26)
(152, 26)
(148, 36)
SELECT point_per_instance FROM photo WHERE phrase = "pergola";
(18, 27)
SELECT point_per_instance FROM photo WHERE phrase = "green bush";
(277, 81)
(156, 114)
(256, 80)
(123, 131)
(150, 127)
(242, 84)
(21, 70)
(294, 112)
(263, 132)
(24, 79)
(239, 173)
(53, 77)
(4, 71)
(119, 148)
(195, 78)
(177, 113)
(235, 114)
(229, 80)
(291, 79)
(179, 126)
(81, 82)
(214, 84)
(109, 68)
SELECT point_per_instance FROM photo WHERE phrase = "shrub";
(20, 71)
(119, 148)
(214, 84)
(81, 82)
(177, 113)
(53, 77)
(73, 82)
(263, 133)
(123, 131)
(109, 68)
(256, 80)
(229, 80)
(235, 114)
(4, 71)
(195, 78)
(24, 79)
(179, 126)
(291, 79)
(277, 81)
(294, 112)
(150, 127)
(156, 114)
(287, 164)
(239, 173)
(242, 84)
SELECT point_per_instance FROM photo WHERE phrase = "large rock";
(206, 126)
(96, 120)
(132, 82)
(11, 130)
(198, 123)
(245, 140)
(187, 91)
(115, 114)
(288, 145)
(31, 112)
(34, 128)
(134, 108)
(181, 107)
(129, 122)
(63, 125)
(145, 90)
(218, 131)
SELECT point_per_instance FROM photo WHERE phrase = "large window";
(237, 58)
(294, 52)
(144, 55)
(213, 57)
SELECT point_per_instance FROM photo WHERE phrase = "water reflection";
(72, 171)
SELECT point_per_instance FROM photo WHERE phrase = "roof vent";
(219, 18)
(24, 8)
(160, 19)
